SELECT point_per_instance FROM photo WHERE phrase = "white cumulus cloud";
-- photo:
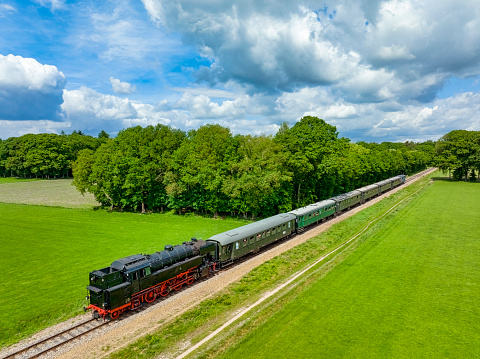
(122, 88)
(29, 90)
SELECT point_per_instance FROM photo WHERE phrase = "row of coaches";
(238, 242)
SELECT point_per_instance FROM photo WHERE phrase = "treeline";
(44, 155)
(209, 170)
(458, 152)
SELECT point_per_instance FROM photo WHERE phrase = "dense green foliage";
(459, 152)
(209, 170)
(129, 171)
(44, 155)
(47, 253)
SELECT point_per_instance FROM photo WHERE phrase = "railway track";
(54, 342)
(419, 174)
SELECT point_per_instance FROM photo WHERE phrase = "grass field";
(411, 290)
(47, 253)
(59, 192)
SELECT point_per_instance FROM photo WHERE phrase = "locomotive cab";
(100, 281)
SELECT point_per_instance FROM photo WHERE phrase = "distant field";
(47, 253)
(58, 192)
(411, 291)
(16, 180)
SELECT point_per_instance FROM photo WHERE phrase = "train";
(142, 278)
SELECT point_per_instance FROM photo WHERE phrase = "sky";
(377, 70)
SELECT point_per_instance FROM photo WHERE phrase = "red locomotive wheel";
(190, 280)
(115, 314)
(150, 296)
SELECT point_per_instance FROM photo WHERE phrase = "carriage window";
(134, 276)
(263, 235)
(237, 245)
(142, 273)
(259, 236)
(288, 224)
(268, 233)
(279, 229)
(273, 230)
(251, 240)
(245, 241)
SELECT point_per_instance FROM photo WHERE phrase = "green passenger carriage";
(385, 185)
(368, 192)
(250, 238)
(313, 213)
(347, 200)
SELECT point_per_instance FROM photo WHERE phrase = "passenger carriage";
(368, 192)
(251, 237)
(313, 213)
(346, 200)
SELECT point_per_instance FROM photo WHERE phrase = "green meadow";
(48, 252)
(410, 289)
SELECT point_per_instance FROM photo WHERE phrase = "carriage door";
(229, 251)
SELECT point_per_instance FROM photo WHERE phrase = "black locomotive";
(132, 280)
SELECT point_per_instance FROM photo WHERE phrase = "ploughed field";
(411, 289)
(47, 252)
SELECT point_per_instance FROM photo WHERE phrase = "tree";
(128, 171)
(103, 135)
(199, 170)
(259, 178)
(457, 152)
(307, 144)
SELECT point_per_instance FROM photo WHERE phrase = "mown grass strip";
(211, 314)
(16, 179)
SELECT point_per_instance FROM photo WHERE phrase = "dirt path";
(127, 331)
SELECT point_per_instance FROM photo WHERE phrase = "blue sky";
(378, 70)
